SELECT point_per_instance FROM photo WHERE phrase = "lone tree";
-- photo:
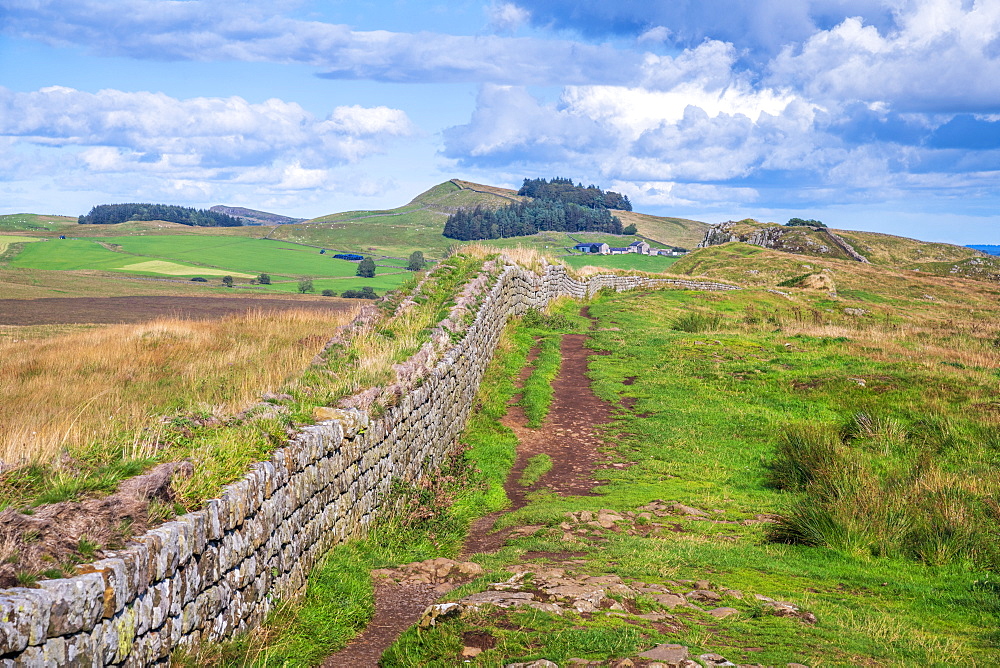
(366, 268)
(227, 281)
(417, 261)
(305, 285)
(264, 279)
(629, 229)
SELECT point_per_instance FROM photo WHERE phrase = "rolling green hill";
(418, 224)
(35, 223)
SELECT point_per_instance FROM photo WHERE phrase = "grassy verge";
(902, 437)
(339, 600)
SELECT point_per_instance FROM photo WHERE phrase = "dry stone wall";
(218, 571)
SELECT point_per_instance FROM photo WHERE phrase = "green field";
(900, 571)
(650, 263)
(187, 256)
(7, 239)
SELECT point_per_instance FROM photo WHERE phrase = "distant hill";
(254, 217)
(988, 249)
(418, 225)
(864, 247)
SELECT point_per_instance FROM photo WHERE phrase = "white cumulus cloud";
(195, 142)
(507, 16)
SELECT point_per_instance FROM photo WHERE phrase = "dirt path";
(569, 436)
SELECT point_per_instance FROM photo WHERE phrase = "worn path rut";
(570, 435)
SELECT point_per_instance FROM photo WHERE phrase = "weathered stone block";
(77, 603)
(24, 618)
(117, 589)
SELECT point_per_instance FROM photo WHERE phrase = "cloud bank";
(725, 101)
(198, 142)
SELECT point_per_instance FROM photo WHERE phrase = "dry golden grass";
(72, 389)
(528, 257)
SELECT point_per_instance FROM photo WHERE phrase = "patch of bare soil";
(114, 310)
(58, 536)
(569, 436)
(397, 608)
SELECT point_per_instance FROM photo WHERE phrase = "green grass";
(537, 466)
(35, 222)
(250, 256)
(201, 254)
(703, 432)
(650, 263)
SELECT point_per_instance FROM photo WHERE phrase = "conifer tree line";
(563, 190)
(111, 214)
(552, 209)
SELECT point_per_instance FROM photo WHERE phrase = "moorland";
(827, 437)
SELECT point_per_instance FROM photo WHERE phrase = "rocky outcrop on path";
(566, 591)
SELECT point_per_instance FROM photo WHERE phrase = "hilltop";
(253, 216)
(939, 259)
(418, 225)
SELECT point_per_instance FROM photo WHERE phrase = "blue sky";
(866, 114)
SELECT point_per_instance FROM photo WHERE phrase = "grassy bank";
(870, 437)
(69, 392)
(339, 601)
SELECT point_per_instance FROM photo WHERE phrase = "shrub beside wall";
(218, 571)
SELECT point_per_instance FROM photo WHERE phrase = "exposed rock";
(722, 613)
(352, 420)
(786, 609)
(710, 660)
(431, 571)
(687, 510)
(703, 596)
(438, 611)
(670, 600)
(669, 654)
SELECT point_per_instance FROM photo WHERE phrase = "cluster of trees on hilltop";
(563, 190)
(799, 222)
(111, 214)
(525, 218)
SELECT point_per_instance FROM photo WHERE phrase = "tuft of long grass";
(895, 500)
(696, 321)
